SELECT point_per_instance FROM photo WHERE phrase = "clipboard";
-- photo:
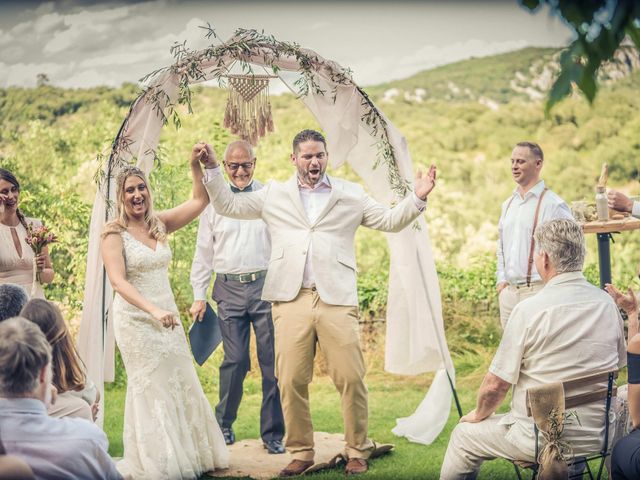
(205, 336)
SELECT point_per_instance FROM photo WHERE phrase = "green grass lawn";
(390, 397)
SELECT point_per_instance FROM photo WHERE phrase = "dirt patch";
(248, 458)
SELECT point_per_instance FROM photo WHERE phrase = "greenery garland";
(244, 45)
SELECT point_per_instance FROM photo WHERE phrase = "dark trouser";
(240, 306)
(625, 459)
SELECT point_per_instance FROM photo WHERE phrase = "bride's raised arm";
(179, 216)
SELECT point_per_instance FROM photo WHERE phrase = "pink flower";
(39, 237)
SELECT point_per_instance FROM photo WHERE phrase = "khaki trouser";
(471, 444)
(298, 325)
(510, 296)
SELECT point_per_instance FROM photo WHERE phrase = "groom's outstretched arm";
(244, 206)
(380, 217)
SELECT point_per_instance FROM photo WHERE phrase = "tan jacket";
(331, 235)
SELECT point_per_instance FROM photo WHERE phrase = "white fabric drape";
(415, 341)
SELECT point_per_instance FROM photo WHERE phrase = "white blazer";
(331, 235)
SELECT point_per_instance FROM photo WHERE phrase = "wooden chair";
(571, 401)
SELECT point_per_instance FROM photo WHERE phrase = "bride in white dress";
(170, 431)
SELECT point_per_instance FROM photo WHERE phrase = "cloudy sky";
(83, 44)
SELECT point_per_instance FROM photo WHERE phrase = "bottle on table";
(601, 204)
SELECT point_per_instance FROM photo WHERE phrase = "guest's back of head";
(12, 299)
(24, 353)
(562, 240)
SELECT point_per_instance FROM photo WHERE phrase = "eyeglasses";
(235, 166)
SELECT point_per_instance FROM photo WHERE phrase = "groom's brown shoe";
(355, 466)
(296, 467)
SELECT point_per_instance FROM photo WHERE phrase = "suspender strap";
(504, 262)
(535, 224)
(533, 231)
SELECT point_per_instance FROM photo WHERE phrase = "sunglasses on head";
(235, 166)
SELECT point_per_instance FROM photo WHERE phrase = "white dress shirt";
(515, 231)
(313, 201)
(54, 448)
(227, 245)
(568, 329)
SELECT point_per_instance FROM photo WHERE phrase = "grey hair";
(246, 146)
(12, 298)
(562, 239)
(24, 352)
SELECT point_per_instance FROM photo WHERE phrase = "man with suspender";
(531, 204)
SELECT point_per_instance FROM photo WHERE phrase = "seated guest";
(569, 329)
(52, 447)
(77, 395)
(12, 298)
(625, 459)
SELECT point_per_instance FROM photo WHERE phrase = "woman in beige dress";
(16, 256)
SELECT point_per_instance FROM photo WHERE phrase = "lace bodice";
(147, 270)
(137, 332)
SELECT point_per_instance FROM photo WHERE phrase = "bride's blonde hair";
(120, 223)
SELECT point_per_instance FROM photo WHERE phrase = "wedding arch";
(358, 133)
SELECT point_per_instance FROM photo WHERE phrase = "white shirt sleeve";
(508, 359)
(209, 173)
(562, 210)
(202, 266)
(420, 204)
(635, 210)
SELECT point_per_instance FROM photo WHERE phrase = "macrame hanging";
(248, 112)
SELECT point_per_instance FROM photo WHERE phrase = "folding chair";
(571, 401)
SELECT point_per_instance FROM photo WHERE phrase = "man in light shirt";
(531, 204)
(569, 329)
(311, 281)
(52, 447)
(238, 252)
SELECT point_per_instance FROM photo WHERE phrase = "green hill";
(488, 77)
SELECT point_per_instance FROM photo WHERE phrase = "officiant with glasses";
(238, 252)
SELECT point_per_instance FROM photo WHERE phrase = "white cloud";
(47, 23)
(5, 38)
(86, 30)
(47, 7)
(319, 26)
(112, 43)
(115, 60)
(23, 28)
(24, 74)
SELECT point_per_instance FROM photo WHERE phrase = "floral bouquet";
(37, 238)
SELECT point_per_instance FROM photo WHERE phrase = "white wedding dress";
(170, 431)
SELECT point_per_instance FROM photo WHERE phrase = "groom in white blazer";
(311, 281)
